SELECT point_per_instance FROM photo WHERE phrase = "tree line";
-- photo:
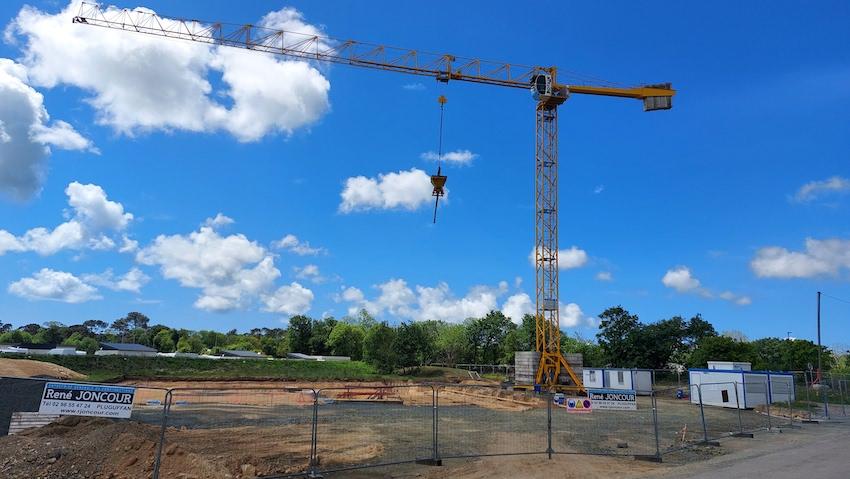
(622, 341)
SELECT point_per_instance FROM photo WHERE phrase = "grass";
(116, 368)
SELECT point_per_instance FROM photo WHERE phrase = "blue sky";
(735, 204)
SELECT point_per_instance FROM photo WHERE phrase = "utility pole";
(819, 346)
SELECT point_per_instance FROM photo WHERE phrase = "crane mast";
(548, 93)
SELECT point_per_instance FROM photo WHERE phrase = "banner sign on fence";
(579, 405)
(613, 399)
(70, 399)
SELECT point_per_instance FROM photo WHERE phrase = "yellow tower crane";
(547, 91)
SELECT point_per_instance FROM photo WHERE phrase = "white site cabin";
(739, 388)
(639, 380)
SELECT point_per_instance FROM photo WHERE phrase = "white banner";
(70, 399)
(613, 399)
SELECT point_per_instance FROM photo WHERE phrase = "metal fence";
(278, 432)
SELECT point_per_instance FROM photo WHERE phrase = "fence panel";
(723, 408)
(484, 420)
(678, 417)
(610, 432)
(238, 432)
(362, 426)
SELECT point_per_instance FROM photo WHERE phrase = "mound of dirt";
(96, 448)
(26, 368)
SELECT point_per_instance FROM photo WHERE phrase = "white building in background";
(733, 365)
(639, 380)
(740, 388)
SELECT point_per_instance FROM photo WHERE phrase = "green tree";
(319, 338)
(486, 336)
(190, 343)
(15, 336)
(452, 343)
(347, 340)
(163, 341)
(592, 353)
(774, 354)
(618, 336)
(415, 344)
(378, 347)
(719, 348)
(299, 333)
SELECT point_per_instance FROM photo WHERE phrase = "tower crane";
(548, 91)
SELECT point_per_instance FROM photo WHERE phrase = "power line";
(835, 298)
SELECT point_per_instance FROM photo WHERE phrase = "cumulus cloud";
(815, 189)
(229, 270)
(826, 257)
(414, 86)
(683, 281)
(25, 134)
(517, 306)
(406, 190)
(420, 303)
(51, 285)
(292, 299)
(95, 217)
(292, 244)
(571, 258)
(457, 157)
(309, 272)
(218, 221)
(604, 276)
(131, 281)
(140, 83)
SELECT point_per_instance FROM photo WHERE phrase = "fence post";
(740, 414)
(437, 460)
(166, 408)
(549, 399)
(655, 426)
(314, 441)
(702, 413)
(767, 397)
(842, 388)
(825, 394)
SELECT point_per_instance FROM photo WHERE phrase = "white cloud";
(128, 245)
(309, 272)
(291, 299)
(94, 218)
(402, 190)
(814, 189)
(292, 244)
(51, 285)
(683, 281)
(571, 258)
(572, 316)
(604, 276)
(140, 83)
(825, 257)
(219, 220)
(420, 303)
(517, 306)
(26, 136)
(230, 270)
(598, 189)
(414, 86)
(131, 281)
(457, 157)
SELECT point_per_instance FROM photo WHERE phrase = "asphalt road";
(816, 452)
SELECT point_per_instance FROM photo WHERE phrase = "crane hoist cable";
(438, 181)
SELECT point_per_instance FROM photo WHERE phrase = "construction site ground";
(241, 429)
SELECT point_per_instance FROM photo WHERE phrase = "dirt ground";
(275, 393)
(27, 368)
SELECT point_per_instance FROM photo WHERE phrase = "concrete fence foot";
(648, 458)
(744, 434)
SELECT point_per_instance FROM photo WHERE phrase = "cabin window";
(620, 379)
(591, 376)
(725, 395)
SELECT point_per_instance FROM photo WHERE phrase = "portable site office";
(741, 389)
(639, 380)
